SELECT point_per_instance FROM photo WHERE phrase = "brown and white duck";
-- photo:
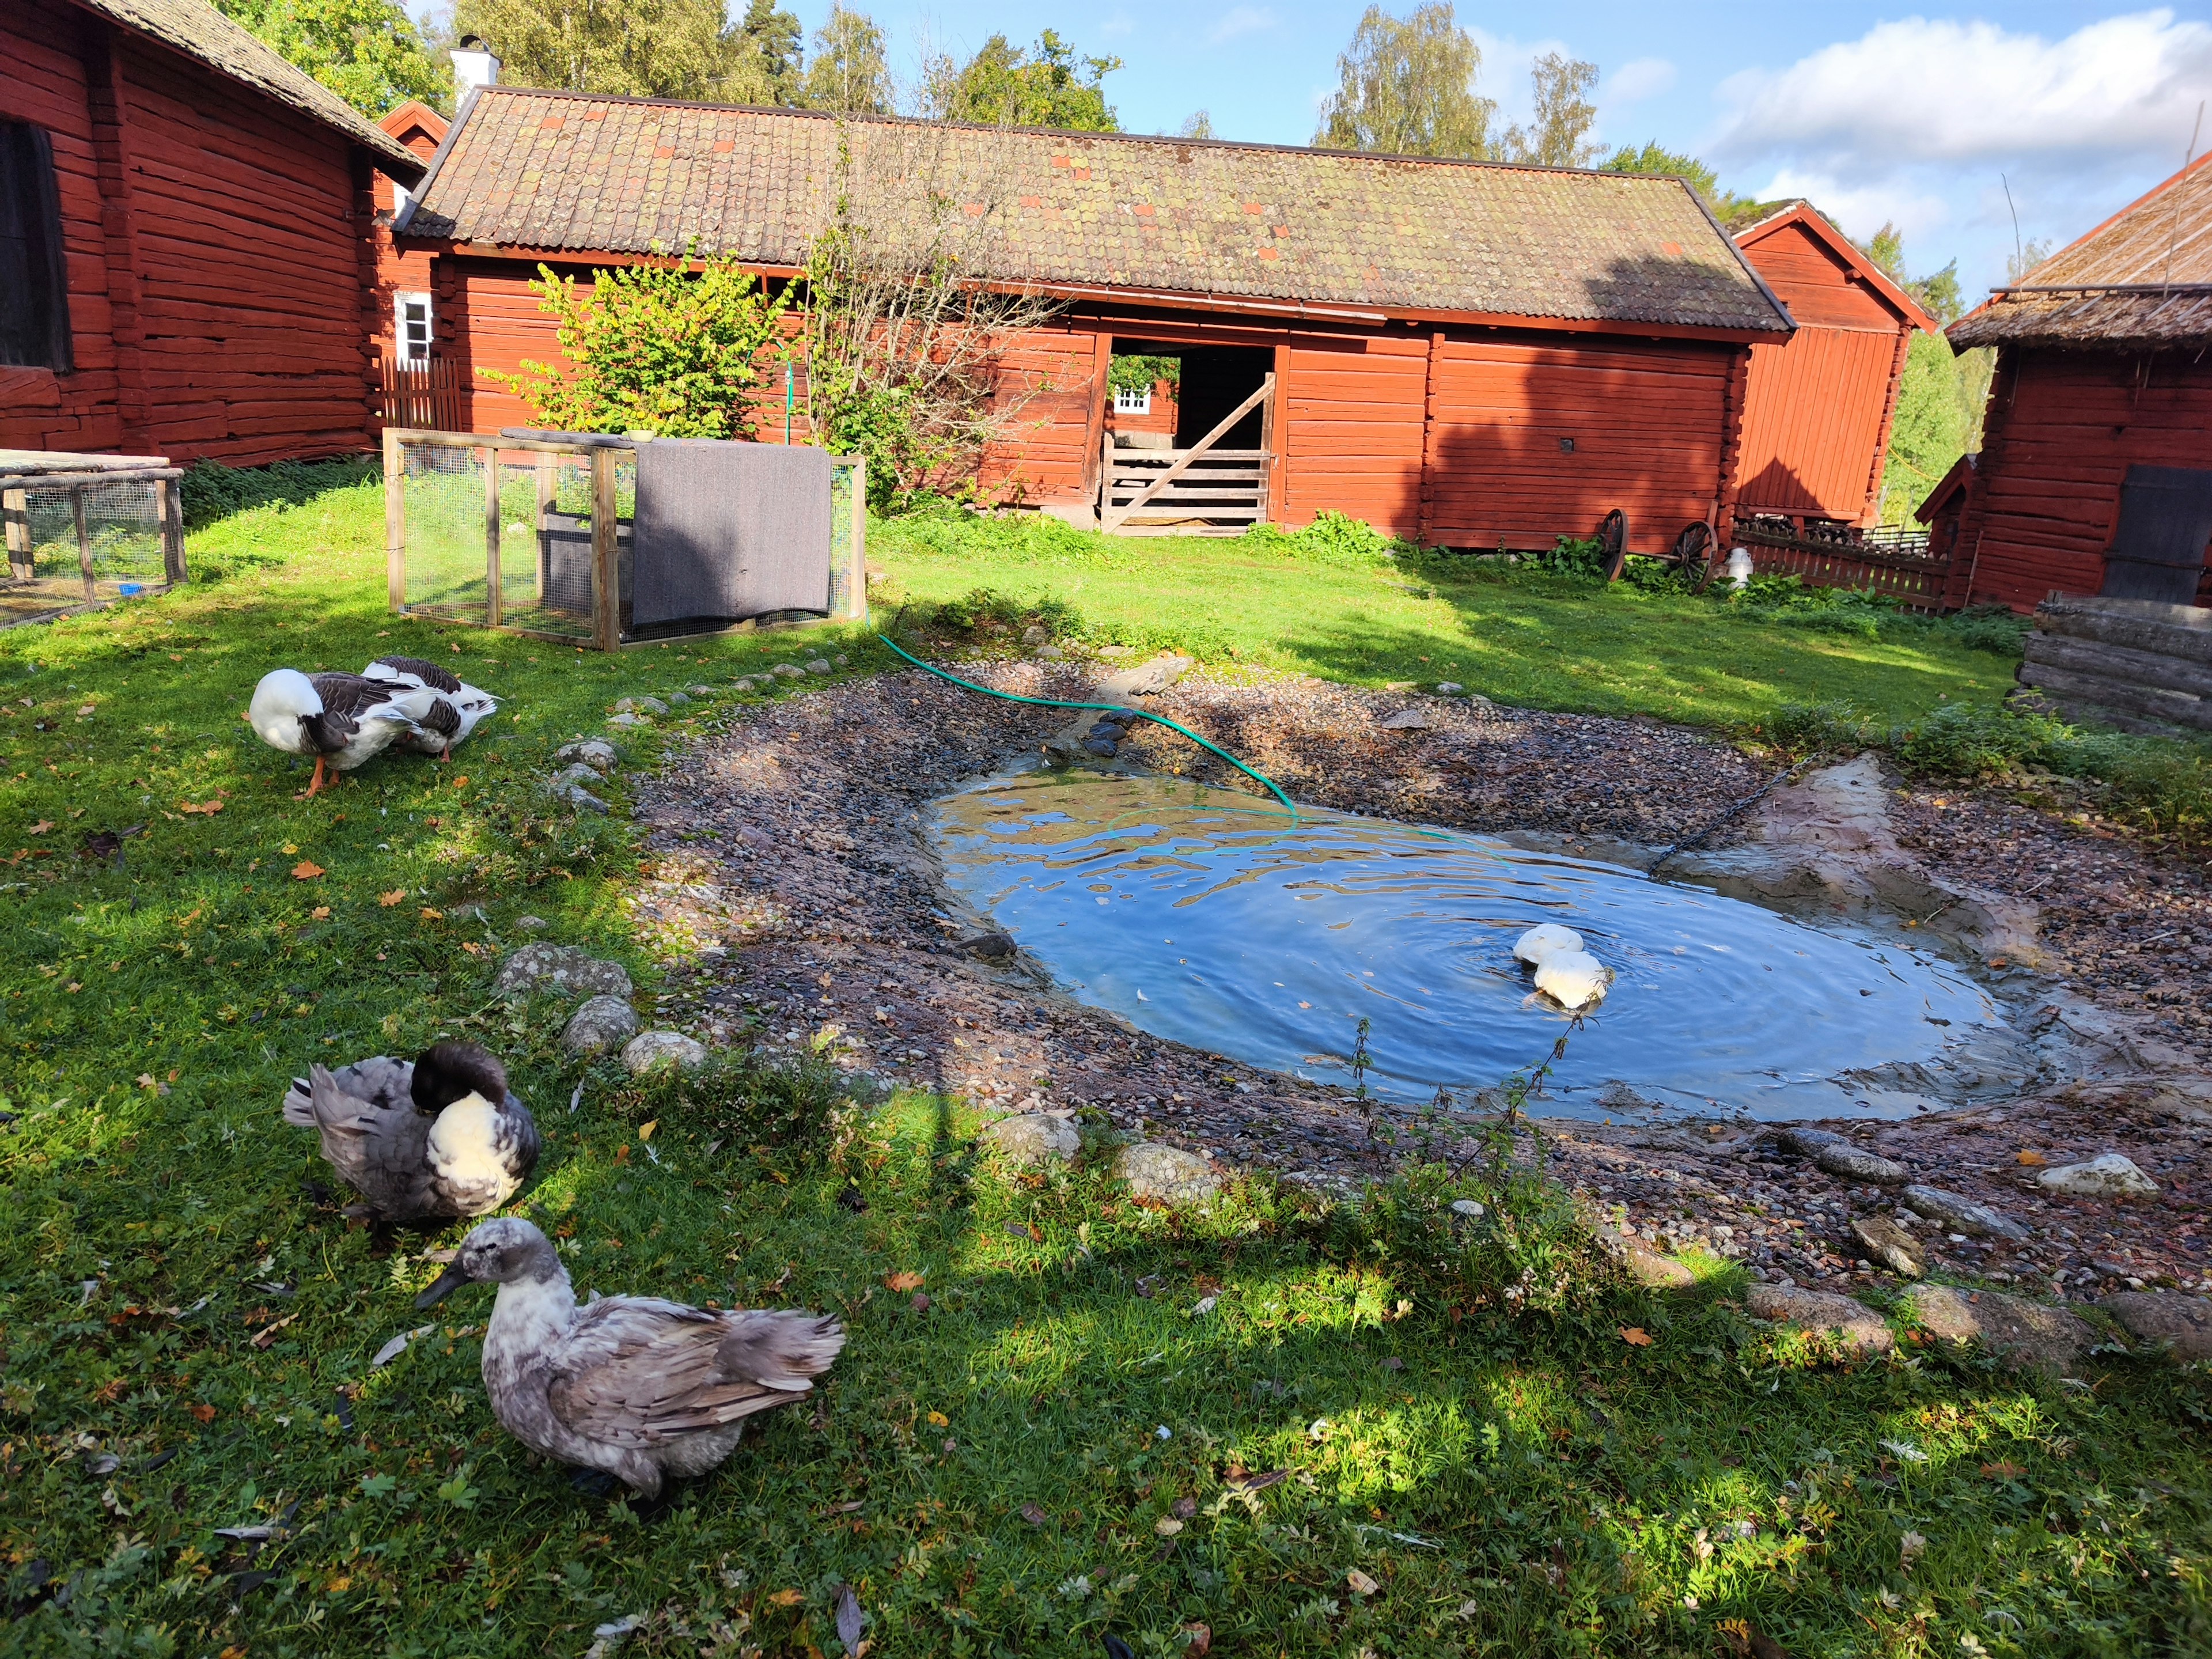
(458, 709)
(636, 1387)
(432, 1140)
(343, 720)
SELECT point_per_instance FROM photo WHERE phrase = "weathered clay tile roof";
(199, 31)
(2143, 278)
(560, 173)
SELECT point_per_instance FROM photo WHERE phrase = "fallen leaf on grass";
(1360, 1583)
(306, 870)
(938, 1419)
(2006, 1470)
(848, 1617)
(320, 913)
(1034, 1514)
(2031, 1159)
(1636, 1336)
(1198, 1640)
(786, 1598)
(392, 1350)
(904, 1281)
(397, 896)
(267, 1333)
(40, 826)
(1259, 1482)
(205, 809)
(429, 914)
(1167, 1526)
(645, 1130)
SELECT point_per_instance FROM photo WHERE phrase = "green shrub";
(986, 612)
(1834, 727)
(1573, 555)
(1977, 740)
(1332, 539)
(212, 491)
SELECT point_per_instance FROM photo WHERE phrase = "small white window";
(1127, 402)
(400, 197)
(411, 326)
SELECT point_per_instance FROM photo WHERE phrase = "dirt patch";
(792, 882)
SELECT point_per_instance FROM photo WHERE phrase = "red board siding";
(1042, 452)
(1819, 286)
(1349, 424)
(1813, 421)
(2063, 428)
(1648, 424)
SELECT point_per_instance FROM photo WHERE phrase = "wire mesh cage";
(82, 533)
(537, 535)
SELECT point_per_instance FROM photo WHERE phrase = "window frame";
(1128, 400)
(400, 301)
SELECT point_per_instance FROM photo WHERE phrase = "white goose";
(1566, 973)
(639, 1387)
(460, 709)
(342, 720)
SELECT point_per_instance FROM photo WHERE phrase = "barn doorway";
(1159, 481)
(1215, 380)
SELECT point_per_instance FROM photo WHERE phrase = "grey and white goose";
(459, 709)
(342, 720)
(636, 1387)
(438, 1139)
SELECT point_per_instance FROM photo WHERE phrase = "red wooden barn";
(1477, 354)
(1818, 411)
(183, 268)
(2096, 472)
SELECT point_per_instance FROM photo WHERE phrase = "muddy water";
(1208, 918)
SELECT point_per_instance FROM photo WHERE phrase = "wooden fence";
(1892, 562)
(2134, 664)
(428, 394)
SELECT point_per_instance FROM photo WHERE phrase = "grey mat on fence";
(729, 530)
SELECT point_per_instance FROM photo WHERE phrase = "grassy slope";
(1526, 638)
(1575, 1493)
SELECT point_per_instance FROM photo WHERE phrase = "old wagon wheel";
(1612, 539)
(1694, 553)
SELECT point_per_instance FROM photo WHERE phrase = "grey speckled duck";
(439, 1139)
(632, 1385)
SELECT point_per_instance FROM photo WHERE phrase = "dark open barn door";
(2165, 522)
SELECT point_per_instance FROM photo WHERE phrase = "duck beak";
(444, 1285)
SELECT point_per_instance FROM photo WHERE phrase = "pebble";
(532, 924)
(650, 1049)
(566, 970)
(1887, 1242)
(2112, 1176)
(600, 1023)
(641, 705)
(627, 720)
(1405, 720)
(701, 690)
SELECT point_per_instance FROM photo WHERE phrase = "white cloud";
(1634, 82)
(1241, 21)
(1923, 91)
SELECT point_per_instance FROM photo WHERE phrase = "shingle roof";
(2142, 278)
(556, 172)
(199, 31)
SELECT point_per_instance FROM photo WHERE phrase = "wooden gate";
(1200, 491)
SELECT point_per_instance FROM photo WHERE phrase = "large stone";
(650, 1049)
(575, 772)
(564, 970)
(1146, 679)
(1840, 1158)
(2168, 1316)
(2112, 1176)
(1961, 1212)
(2024, 1333)
(1644, 1264)
(573, 793)
(1405, 720)
(1852, 1325)
(640, 705)
(600, 1023)
(1887, 1242)
(1166, 1173)
(788, 670)
(595, 752)
(1033, 1138)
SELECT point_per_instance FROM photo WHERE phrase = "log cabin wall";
(213, 234)
(2062, 429)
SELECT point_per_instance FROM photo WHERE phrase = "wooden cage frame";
(91, 472)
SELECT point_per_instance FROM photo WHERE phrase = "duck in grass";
(459, 709)
(343, 720)
(633, 1386)
(439, 1138)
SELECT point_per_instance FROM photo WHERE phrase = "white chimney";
(474, 66)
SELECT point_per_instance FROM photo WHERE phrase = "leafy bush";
(1332, 538)
(986, 611)
(1980, 740)
(212, 492)
(1833, 727)
(1574, 556)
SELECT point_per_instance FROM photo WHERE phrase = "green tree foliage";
(1197, 124)
(366, 50)
(1407, 87)
(1004, 86)
(762, 57)
(632, 48)
(1731, 210)
(652, 348)
(1559, 137)
(1938, 292)
(850, 73)
(1136, 373)
(1938, 418)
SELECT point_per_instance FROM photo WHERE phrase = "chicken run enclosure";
(84, 531)
(604, 541)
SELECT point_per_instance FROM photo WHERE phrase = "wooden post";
(1279, 471)
(493, 611)
(395, 523)
(606, 569)
(1429, 438)
(15, 512)
(1105, 478)
(856, 599)
(1102, 395)
(549, 477)
(1267, 443)
(170, 500)
(83, 543)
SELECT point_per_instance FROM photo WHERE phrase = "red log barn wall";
(1818, 405)
(1479, 353)
(2104, 363)
(211, 203)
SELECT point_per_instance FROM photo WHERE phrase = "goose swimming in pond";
(1545, 938)
(429, 1141)
(1575, 979)
(632, 1385)
(342, 720)
(459, 708)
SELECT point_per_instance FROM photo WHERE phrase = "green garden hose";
(1101, 708)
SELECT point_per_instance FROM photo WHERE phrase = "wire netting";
(844, 477)
(79, 544)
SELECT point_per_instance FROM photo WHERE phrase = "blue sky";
(1875, 113)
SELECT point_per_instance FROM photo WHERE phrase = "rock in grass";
(1166, 1173)
(1644, 1264)
(640, 705)
(595, 752)
(678, 699)
(650, 1049)
(1033, 1138)
(2167, 1316)
(819, 665)
(2112, 1176)
(2022, 1331)
(600, 1023)
(1956, 1210)
(576, 795)
(627, 720)
(1852, 1325)
(788, 670)
(1841, 1158)
(1887, 1242)
(563, 969)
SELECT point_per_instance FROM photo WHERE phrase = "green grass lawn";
(1510, 633)
(1475, 1457)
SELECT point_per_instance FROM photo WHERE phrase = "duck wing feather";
(379, 1081)
(640, 1371)
(416, 671)
(380, 1148)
